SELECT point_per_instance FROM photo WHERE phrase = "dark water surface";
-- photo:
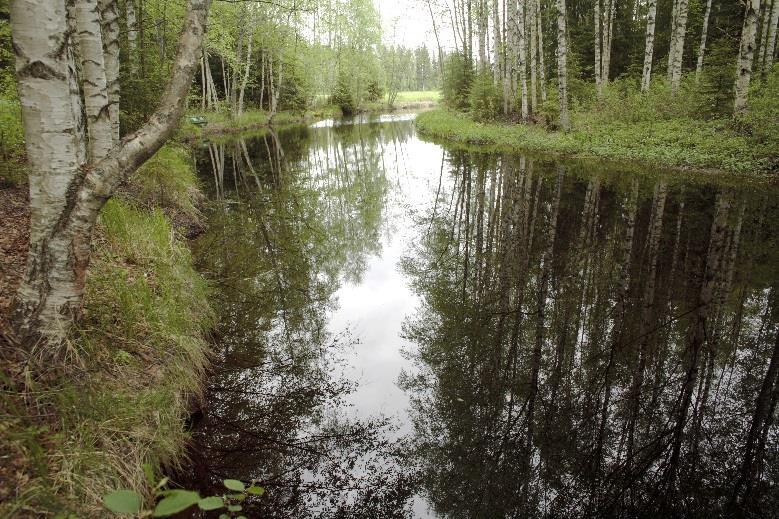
(407, 330)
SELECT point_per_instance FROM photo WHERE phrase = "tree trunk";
(531, 20)
(110, 23)
(745, 56)
(649, 47)
(93, 68)
(541, 68)
(771, 42)
(562, 66)
(597, 68)
(702, 48)
(64, 199)
(496, 47)
(676, 52)
(132, 34)
(761, 46)
(606, 50)
(245, 79)
(522, 57)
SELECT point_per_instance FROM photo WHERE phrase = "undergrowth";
(136, 361)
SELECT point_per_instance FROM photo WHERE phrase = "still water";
(411, 330)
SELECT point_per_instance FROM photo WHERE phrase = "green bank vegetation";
(133, 366)
(657, 128)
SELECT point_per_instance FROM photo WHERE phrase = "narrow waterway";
(410, 330)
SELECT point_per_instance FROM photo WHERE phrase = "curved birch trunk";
(562, 66)
(702, 48)
(745, 56)
(65, 199)
(94, 79)
(649, 48)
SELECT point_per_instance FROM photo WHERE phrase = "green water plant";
(170, 501)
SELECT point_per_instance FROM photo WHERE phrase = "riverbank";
(134, 364)
(676, 143)
(221, 122)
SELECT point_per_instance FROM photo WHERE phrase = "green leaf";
(162, 483)
(241, 517)
(176, 501)
(211, 503)
(234, 508)
(237, 497)
(254, 490)
(234, 484)
(123, 502)
(224, 516)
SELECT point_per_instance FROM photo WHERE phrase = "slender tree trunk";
(771, 42)
(132, 34)
(64, 199)
(522, 57)
(598, 67)
(496, 47)
(745, 56)
(702, 47)
(649, 47)
(562, 66)
(761, 46)
(541, 66)
(606, 51)
(531, 20)
(110, 25)
(679, 30)
(94, 79)
(245, 79)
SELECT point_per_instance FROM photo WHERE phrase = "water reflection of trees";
(595, 345)
(290, 224)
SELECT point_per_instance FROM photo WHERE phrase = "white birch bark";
(608, 30)
(541, 67)
(245, 79)
(531, 20)
(522, 57)
(761, 46)
(496, 46)
(64, 199)
(702, 47)
(598, 63)
(109, 16)
(746, 56)
(94, 79)
(677, 45)
(649, 47)
(132, 33)
(771, 43)
(562, 65)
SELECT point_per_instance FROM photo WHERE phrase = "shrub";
(375, 92)
(458, 77)
(485, 97)
(343, 96)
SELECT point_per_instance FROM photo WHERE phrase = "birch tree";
(649, 47)
(562, 66)
(770, 46)
(65, 195)
(702, 47)
(746, 56)
(676, 51)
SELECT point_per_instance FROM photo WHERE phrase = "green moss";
(136, 360)
(673, 142)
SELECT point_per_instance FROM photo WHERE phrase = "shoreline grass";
(672, 144)
(135, 363)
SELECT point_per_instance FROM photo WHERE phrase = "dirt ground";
(14, 237)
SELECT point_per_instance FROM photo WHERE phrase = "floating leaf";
(254, 490)
(211, 503)
(176, 501)
(234, 484)
(123, 502)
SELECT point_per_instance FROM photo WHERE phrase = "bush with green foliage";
(457, 81)
(486, 99)
(343, 96)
